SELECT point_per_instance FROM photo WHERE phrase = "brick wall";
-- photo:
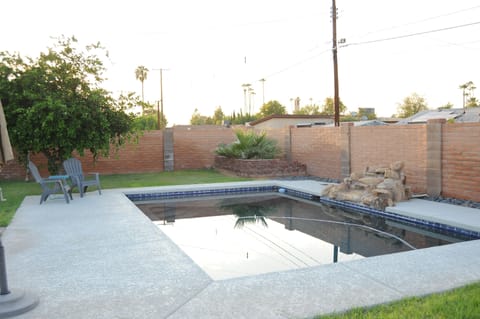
(12, 170)
(142, 157)
(319, 148)
(326, 151)
(375, 146)
(195, 146)
(461, 161)
(282, 136)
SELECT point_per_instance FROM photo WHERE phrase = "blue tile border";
(296, 193)
(200, 193)
(439, 227)
(404, 219)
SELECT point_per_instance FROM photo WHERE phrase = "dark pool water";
(236, 236)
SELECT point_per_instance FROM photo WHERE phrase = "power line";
(291, 66)
(420, 21)
(412, 34)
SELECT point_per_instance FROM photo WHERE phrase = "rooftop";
(469, 114)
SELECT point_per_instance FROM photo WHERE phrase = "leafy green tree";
(272, 108)
(328, 107)
(472, 102)
(54, 104)
(364, 113)
(411, 105)
(141, 73)
(199, 119)
(311, 109)
(446, 106)
(146, 122)
(150, 115)
(148, 108)
(241, 118)
(218, 116)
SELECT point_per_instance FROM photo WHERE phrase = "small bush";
(249, 145)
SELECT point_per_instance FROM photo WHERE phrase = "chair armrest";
(58, 177)
(48, 180)
(97, 176)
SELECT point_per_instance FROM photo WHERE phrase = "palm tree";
(141, 75)
(245, 87)
(467, 92)
(247, 213)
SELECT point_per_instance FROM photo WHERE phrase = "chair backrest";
(34, 171)
(73, 167)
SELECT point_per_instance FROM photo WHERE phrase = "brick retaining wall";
(260, 167)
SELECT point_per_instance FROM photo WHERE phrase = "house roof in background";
(304, 118)
(471, 114)
(365, 123)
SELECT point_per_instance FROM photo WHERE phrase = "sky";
(209, 48)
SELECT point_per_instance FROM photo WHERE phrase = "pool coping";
(100, 257)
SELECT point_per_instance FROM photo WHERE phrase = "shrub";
(250, 145)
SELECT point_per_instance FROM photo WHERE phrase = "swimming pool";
(246, 234)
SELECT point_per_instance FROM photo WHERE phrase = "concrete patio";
(100, 257)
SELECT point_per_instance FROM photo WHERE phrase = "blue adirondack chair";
(50, 185)
(73, 168)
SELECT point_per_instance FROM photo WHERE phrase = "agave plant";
(250, 145)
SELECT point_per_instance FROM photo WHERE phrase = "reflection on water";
(247, 235)
(247, 213)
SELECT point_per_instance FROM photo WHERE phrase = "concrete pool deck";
(100, 257)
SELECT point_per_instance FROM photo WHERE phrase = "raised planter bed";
(260, 167)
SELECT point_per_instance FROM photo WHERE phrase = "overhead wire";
(420, 21)
(296, 64)
(411, 34)
(385, 39)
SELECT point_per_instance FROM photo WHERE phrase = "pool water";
(235, 236)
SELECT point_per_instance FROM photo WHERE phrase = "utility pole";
(251, 92)
(246, 87)
(335, 64)
(160, 105)
(161, 100)
(263, 90)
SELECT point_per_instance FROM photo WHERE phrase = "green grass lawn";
(459, 303)
(15, 191)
